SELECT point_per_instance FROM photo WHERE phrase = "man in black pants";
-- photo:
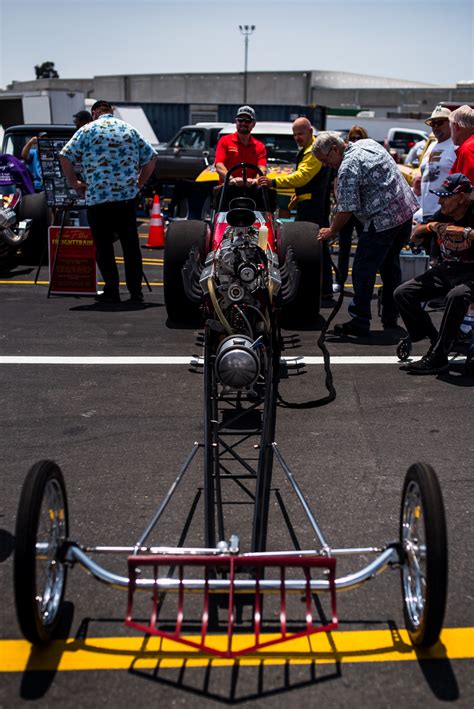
(115, 163)
(453, 276)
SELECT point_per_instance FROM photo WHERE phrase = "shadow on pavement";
(35, 682)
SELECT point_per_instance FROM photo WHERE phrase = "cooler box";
(412, 265)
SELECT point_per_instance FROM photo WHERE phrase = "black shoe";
(429, 364)
(136, 298)
(107, 298)
(390, 324)
(352, 328)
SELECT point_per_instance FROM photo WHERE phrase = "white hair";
(463, 116)
(325, 140)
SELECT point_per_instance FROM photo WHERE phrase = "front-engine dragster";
(238, 276)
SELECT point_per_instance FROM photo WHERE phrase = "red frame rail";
(233, 564)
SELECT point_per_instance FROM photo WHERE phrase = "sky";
(420, 40)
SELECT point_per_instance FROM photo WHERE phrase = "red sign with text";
(75, 271)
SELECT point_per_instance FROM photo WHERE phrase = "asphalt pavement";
(120, 428)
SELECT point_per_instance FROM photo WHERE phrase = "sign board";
(75, 272)
(58, 192)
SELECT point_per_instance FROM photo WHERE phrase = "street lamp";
(246, 30)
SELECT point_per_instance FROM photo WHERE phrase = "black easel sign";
(58, 192)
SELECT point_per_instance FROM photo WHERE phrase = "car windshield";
(281, 147)
(14, 143)
(190, 139)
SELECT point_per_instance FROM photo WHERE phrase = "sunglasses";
(438, 122)
(244, 120)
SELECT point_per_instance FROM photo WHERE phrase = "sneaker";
(429, 364)
(352, 328)
(107, 298)
(336, 287)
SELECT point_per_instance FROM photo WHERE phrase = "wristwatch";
(467, 232)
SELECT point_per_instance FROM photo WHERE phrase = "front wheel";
(39, 573)
(423, 540)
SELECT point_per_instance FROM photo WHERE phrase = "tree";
(46, 70)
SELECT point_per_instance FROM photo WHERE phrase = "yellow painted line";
(146, 260)
(113, 653)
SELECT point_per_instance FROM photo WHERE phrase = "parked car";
(187, 154)
(402, 140)
(33, 206)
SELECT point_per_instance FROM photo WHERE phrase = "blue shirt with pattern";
(111, 154)
(370, 185)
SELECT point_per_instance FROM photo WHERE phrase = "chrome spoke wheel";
(414, 547)
(50, 572)
(423, 542)
(39, 571)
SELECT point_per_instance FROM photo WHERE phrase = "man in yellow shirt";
(312, 184)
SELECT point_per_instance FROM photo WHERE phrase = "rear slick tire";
(39, 574)
(423, 541)
(304, 308)
(180, 238)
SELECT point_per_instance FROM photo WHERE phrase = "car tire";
(424, 546)
(34, 206)
(180, 238)
(301, 236)
(39, 574)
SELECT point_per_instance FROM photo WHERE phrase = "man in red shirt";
(240, 147)
(462, 133)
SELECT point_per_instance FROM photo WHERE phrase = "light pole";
(246, 30)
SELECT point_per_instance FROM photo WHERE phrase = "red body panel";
(220, 225)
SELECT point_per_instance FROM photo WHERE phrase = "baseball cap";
(246, 111)
(453, 184)
(83, 116)
(102, 103)
(439, 113)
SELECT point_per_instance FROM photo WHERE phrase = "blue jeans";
(377, 251)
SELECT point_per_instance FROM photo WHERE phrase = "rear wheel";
(34, 206)
(301, 236)
(423, 539)
(39, 572)
(180, 238)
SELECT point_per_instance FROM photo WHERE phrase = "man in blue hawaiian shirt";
(369, 186)
(116, 162)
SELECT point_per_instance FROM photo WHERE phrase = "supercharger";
(241, 281)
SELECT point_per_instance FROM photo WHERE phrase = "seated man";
(239, 147)
(453, 276)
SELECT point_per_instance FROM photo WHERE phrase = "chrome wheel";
(424, 555)
(39, 570)
(50, 572)
(414, 547)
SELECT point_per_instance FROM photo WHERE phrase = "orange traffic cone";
(156, 233)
